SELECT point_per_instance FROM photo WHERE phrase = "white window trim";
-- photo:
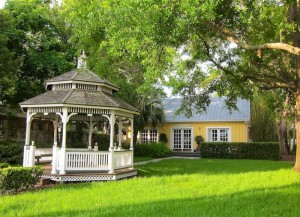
(148, 134)
(182, 128)
(219, 127)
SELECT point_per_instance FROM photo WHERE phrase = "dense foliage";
(11, 152)
(240, 150)
(35, 46)
(19, 178)
(163, 138)
(154, 150)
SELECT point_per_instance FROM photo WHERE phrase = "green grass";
(176, 187)
(140, 159)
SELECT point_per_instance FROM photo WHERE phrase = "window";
(148, 136)
(182, 138)
(218, 135)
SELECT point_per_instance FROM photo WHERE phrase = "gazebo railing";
(123, 159)
(87, 160)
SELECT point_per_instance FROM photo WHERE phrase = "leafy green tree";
(39, 44)
(263, 119)
(244, 44)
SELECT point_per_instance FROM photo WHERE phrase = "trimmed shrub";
(19, 178)
(11, 152)
(154, 150)
(241, 150)
(4, 165)
(163, 138)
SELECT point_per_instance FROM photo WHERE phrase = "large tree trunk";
(297, 164)
(295, 16)
(282, 135)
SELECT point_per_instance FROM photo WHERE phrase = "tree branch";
(232, 37)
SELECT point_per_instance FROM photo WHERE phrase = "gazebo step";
(87, 177)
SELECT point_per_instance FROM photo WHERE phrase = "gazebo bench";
(38, 157)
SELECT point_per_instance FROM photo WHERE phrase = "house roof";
(82, 75)
(78, 97)
(216, 111)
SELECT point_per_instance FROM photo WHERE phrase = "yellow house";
(216, 124)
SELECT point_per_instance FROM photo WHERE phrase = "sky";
(2, 2)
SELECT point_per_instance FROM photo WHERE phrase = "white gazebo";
(80, 95)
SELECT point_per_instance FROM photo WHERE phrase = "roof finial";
(81, 63)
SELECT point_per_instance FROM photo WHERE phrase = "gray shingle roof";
(216, 111)
(78, 97)
(80, 74)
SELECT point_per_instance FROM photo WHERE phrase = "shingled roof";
(78, 97)
(79, 87)
(216, 111)
(80, 74)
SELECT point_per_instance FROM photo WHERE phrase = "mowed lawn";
(176, 187)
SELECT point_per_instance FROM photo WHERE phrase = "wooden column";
(112, 121)
(132, 133)
(54, 149)
(120, 125)
(62, 159)
(26, 155)
(131, 142)
(90, 131)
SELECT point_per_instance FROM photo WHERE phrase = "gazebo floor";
(88, 176)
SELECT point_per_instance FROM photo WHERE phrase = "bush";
(4, 165)
(154, 150)
(163, 138)
(241, 150)
(19, 178)
(11, 152)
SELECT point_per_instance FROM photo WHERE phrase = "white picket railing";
(87, 160)
(123, 159)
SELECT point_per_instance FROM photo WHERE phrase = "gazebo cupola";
(79, 95)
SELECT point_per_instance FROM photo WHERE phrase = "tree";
(39, 44)
(91, 30)
(263, 119)
(173, 37)
(200, 47)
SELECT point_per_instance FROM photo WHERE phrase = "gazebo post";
(90, 131)
(112, 121)
(131, 141)
(120, 125)
(62, 159)
(132, 132)
(54, 149)
(27, 161)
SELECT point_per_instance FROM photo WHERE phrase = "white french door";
(182, 138)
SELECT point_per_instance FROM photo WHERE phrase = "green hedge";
(19, 178)
(241, 150)
(11, 152)
(154, 150)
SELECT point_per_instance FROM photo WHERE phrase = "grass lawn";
(176, 187)
(140, 159)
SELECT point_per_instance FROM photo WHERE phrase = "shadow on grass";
(282, 201)
(209, 166)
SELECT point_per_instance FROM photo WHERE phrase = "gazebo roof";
(80, 75)
(79, 88)
(78, 97)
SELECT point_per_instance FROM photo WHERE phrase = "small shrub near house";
(19, 178)
(11, 152)
(241, 150)
(154, 150)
